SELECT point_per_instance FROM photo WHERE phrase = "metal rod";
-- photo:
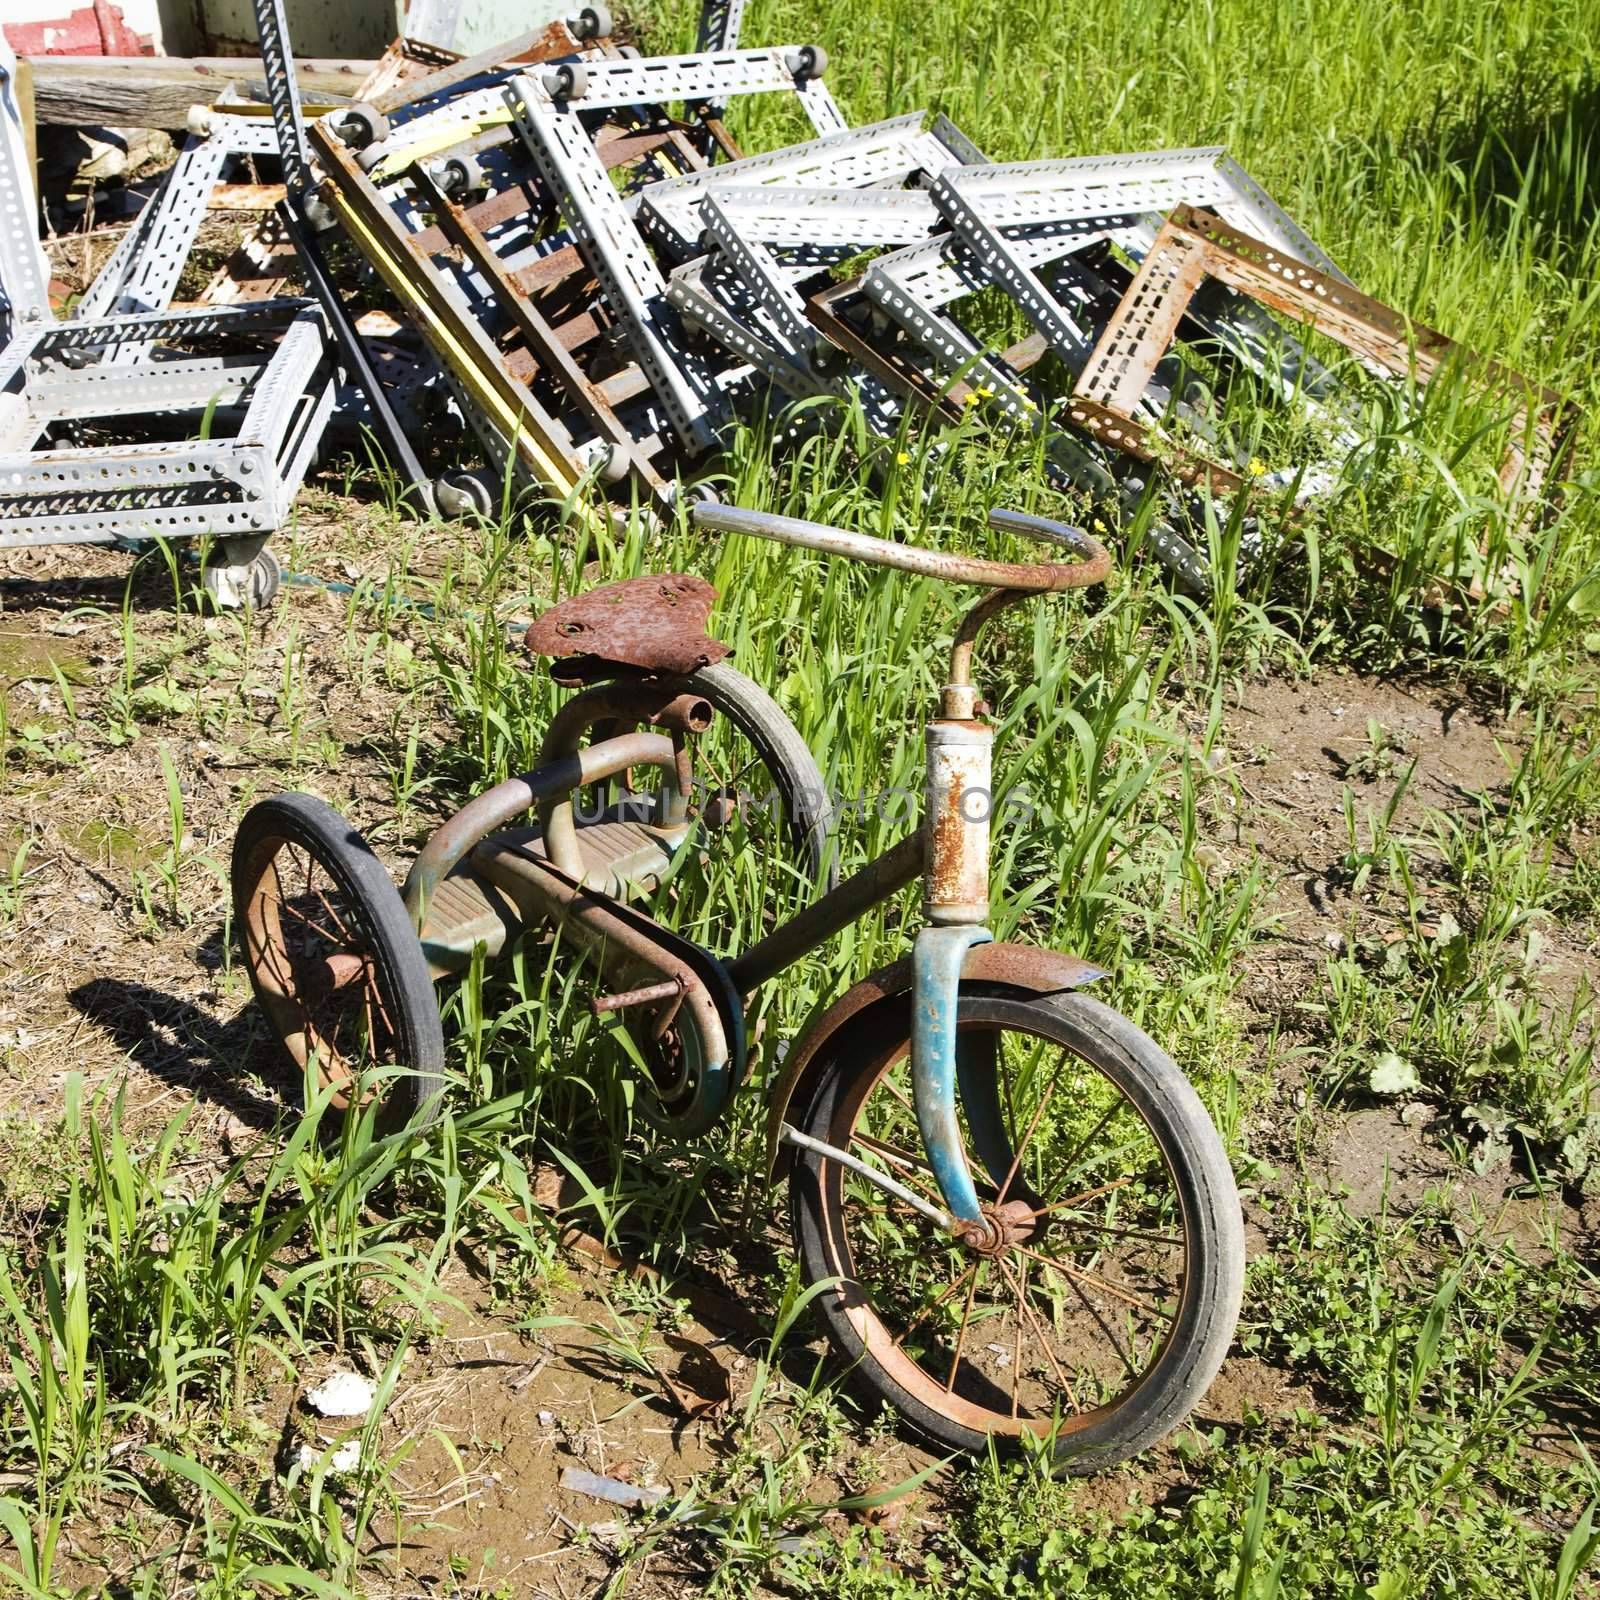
(671, 989)
(939, 1217)
(495, 807)
(1035, 577)
(887, 875)
(391, 437)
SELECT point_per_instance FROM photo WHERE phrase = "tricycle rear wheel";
(334, 960)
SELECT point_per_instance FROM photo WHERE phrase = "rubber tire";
(361, 126)
(787, 758)
(363, 879)
(1158, 1089)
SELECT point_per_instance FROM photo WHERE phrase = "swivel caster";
(456, 175)
(569, 81)
(245, 574)
(809, 61)
(593, 22)
(360, 125)
(463, 494)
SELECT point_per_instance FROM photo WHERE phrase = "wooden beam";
(157, 91)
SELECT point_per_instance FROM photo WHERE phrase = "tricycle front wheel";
(334, 960)
(1095, 1305)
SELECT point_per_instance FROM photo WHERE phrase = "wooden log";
(157, 91)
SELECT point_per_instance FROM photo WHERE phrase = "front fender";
(1022, 966)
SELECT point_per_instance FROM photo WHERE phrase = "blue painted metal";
(978, 1091)
(936, 959)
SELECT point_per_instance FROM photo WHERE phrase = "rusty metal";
(1037, 577)
(876, 882)
(958, 801)
(671, 989)
(622, 939)
(1017, 966)
(659, 704)
(541, 44)
(507, 801)
(651, 624)
(1195, 246)
(623, 454)
(541, 444)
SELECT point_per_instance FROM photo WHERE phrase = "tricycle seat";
(653, 624)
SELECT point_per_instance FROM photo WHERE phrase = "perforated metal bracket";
(143, 272)
(24, 269)
(882, 153)
(283, 95)
(239, 485)
(663, 80)
(1149, 183)
(1009, 271)
(697, 305)
(635, 289)
(1194, 245)
(990, 209)
(844, 220)
(763, 280)
(605, 83)
(720, 21)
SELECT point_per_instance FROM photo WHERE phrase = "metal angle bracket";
(762, 278)
(659, 80)
(24, 268)
(854, 158)
(539, 439)
(697, 305)
(996, 259)
(844, 220)
(228, 487)
(283, 95)
(635, 288)
(605, 83)
(143, 272)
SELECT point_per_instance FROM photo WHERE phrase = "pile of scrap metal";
(599, 281)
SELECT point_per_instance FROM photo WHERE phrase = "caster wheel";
(809, 61)
(334, 961)
(457, 175)
(361, 125)
(570, 81)
(593, 22)
(248, 582)
(463, 494)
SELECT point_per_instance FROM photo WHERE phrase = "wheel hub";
(1000, 1227)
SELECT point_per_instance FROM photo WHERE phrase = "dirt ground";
(92, 983)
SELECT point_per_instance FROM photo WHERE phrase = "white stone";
(344, 1394)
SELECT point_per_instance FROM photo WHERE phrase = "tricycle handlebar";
(1036, 577)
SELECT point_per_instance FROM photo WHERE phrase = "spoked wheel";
(333, 958)
(1098, 1300)
(758, 801)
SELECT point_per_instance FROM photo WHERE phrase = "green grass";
(1441, 1380)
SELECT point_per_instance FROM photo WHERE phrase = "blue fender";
(1026, 968)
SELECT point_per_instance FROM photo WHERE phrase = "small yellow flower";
(1100, 525)
(1257, 467)
(986, 390)
(971, 399)
(1027, 404)
(903, 457)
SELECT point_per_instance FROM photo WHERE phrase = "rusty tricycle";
(1023, 1218)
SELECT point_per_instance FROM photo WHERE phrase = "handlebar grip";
(1039, 577)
